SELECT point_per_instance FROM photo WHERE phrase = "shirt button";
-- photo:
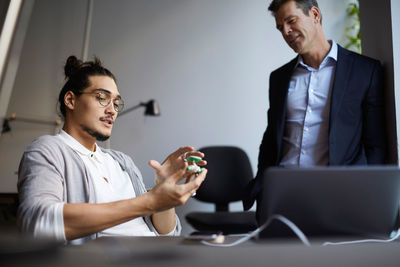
(306, 129)
(91, 155)
(303, 152)
(309, 110)
(312, 90)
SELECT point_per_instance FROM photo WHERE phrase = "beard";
(99, 137)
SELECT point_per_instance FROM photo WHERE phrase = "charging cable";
(254, 233)
(395, 235)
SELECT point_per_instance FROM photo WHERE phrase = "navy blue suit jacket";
(357, 132)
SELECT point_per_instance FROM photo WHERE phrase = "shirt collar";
(78, 147)
(333, 52)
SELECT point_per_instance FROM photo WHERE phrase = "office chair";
(229, 171)
(8, 211)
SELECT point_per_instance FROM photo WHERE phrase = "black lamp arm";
(151, 108)
(55, 122)
(13, 117)
(131, 109)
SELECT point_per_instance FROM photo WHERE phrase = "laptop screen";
(331, 200)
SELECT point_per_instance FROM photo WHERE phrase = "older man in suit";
(326, 105)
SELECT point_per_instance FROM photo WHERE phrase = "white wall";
(55, 31)
(207, 62)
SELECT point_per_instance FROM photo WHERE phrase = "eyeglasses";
(105, 100)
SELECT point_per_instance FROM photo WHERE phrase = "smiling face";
(87, 120)
(300, 31)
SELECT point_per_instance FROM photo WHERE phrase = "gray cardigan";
(51, 172)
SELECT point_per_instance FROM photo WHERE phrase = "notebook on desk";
(324, 201)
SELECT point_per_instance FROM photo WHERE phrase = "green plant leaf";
(352, 32)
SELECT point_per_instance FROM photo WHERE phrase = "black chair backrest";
(229, 172)
(8, 210)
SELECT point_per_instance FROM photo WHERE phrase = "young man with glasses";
(73, 190)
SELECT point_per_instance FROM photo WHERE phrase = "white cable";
(299, 234)
(396, 236)
(238, 235)
(281, 218)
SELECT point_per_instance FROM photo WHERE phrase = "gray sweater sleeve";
(41, 192)
(50, 174)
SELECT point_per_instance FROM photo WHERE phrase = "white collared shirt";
(306, 135)
(111, 183)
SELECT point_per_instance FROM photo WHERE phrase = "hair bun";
(72, 65)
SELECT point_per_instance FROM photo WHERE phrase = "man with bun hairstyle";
(326, 105)
(73, 190)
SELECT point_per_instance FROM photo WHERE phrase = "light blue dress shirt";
(306, 135)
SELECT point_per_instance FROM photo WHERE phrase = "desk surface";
(161, 251)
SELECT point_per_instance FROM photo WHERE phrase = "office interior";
(206, 62)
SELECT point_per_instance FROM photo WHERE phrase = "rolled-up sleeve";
(175, 232)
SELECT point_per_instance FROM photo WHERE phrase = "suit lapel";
(340, 83)
(282, 90)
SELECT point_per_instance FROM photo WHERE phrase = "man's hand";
(174, 162)
(167, 193)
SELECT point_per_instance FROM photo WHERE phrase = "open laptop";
(325, 201)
